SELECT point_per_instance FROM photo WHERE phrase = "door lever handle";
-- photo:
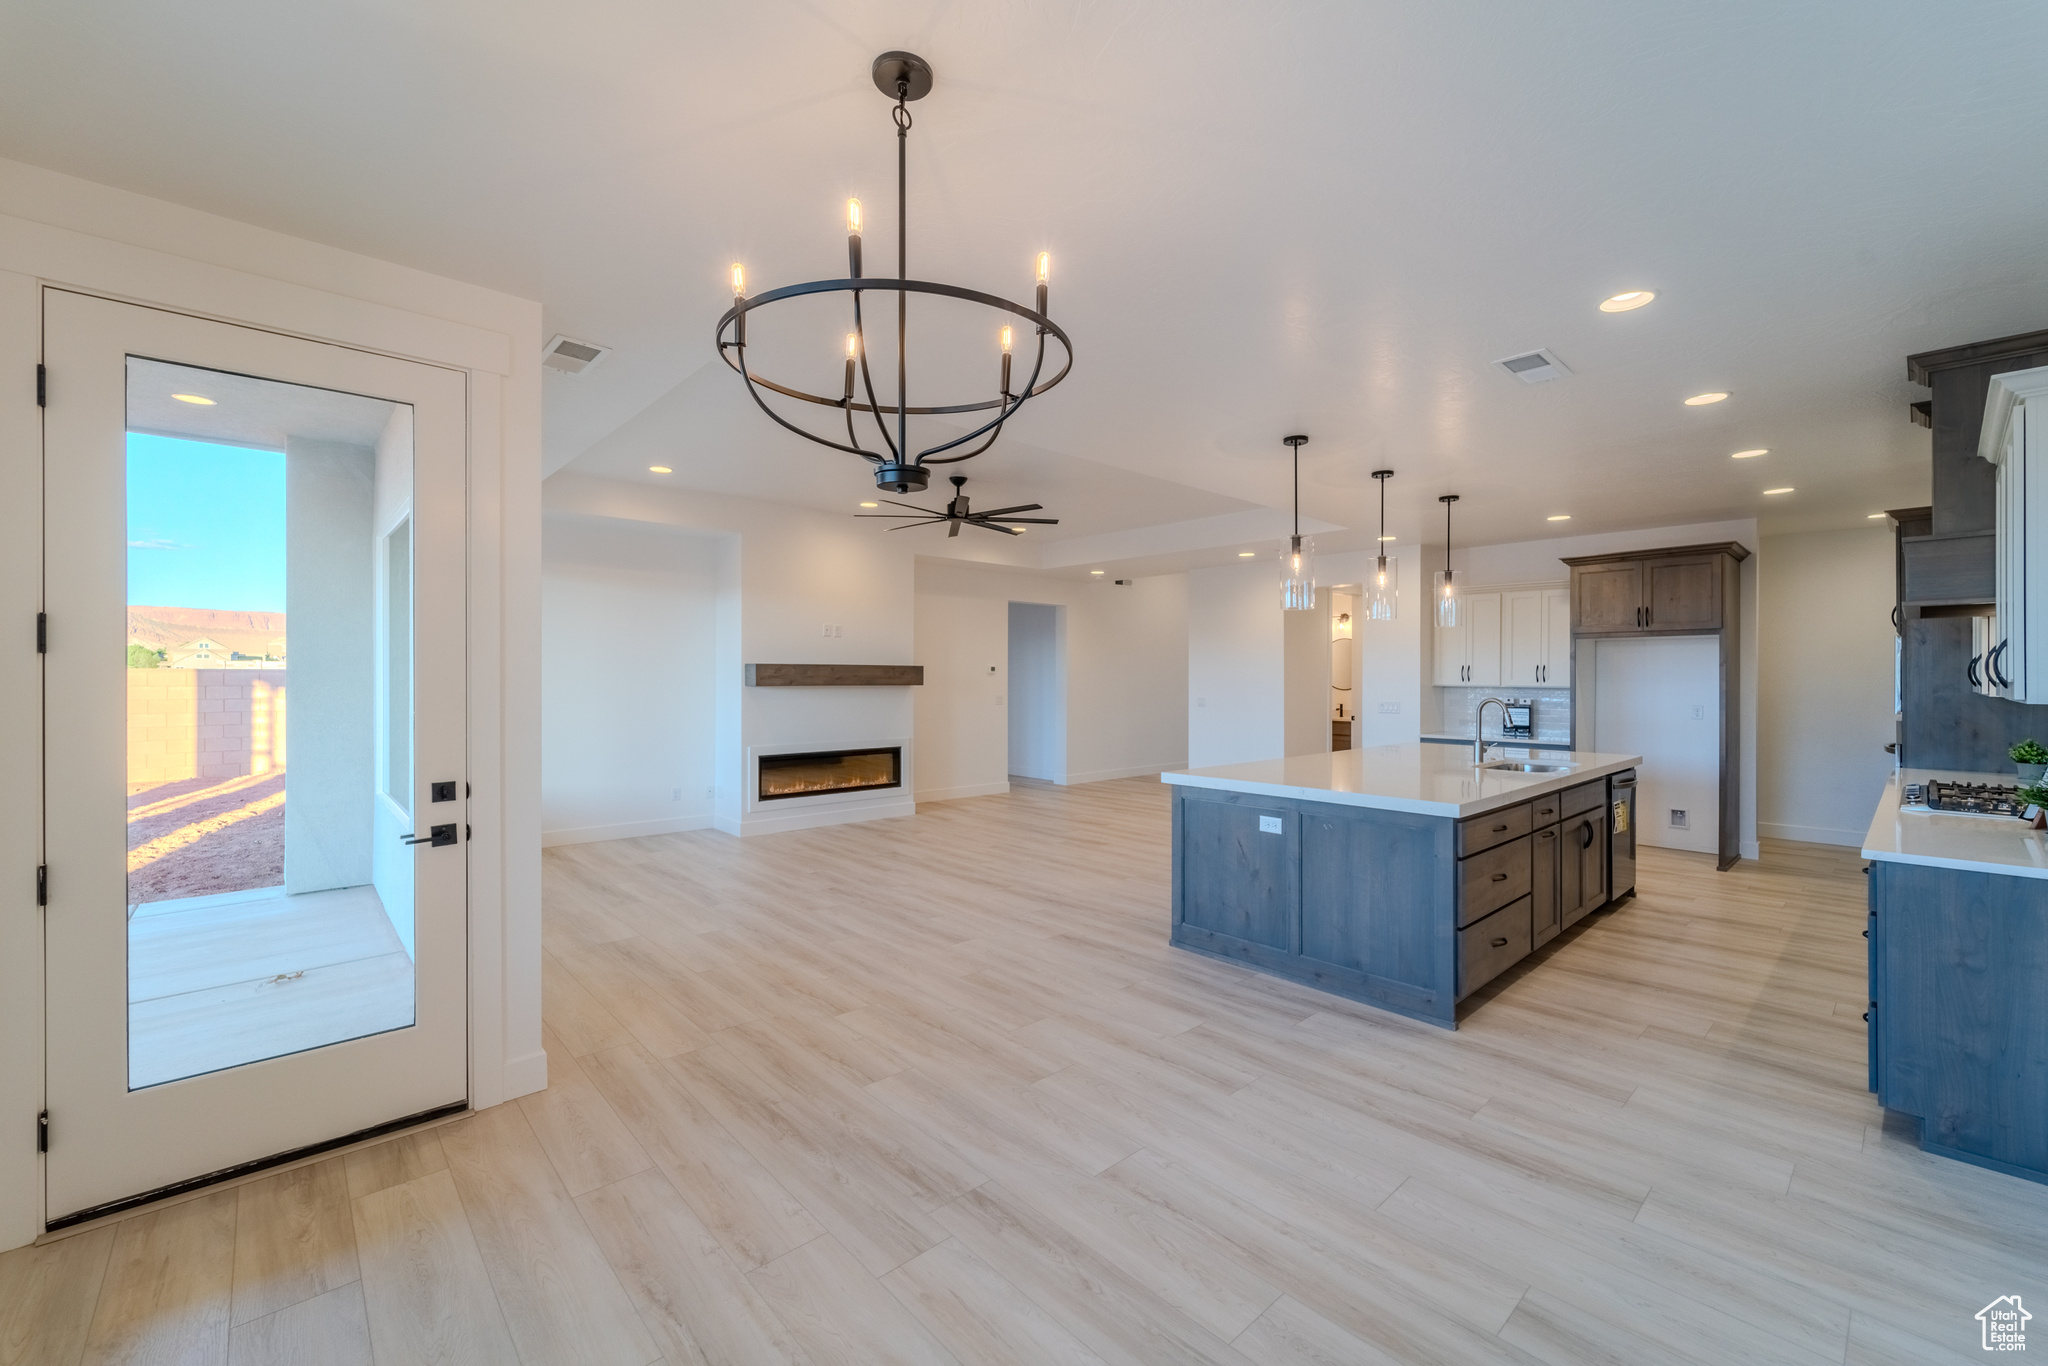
(435, 837)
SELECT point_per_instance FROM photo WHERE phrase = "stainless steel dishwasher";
(1621, 833)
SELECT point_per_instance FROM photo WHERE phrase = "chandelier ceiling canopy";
(903, 77)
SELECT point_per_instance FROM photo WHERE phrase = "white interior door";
(254, 692)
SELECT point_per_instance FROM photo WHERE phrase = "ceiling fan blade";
(991, 526)
(953, 526)
(897, 516)
(1022, 521)
(1021, 507)
(912, 506)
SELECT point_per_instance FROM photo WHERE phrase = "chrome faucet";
(1479, 727)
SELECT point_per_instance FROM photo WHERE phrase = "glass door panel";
(268, 641)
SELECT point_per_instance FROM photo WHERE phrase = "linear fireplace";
(822, 772)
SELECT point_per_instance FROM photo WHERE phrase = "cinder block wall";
(204, 723)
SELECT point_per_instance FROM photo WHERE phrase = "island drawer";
(1495, 827)
(1492, 946)
(1489, 881)
(1546, 810)
(1584, 797)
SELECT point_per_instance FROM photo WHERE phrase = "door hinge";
(42, 633)
(42, 884)
(42, 386)
(43, 1131)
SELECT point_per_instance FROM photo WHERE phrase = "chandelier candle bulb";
(853, 238)
(1044, 273)
(852, 354)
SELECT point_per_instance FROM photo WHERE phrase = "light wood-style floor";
(935, 1090)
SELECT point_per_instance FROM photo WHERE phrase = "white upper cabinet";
(1468, 654)
(1536, 638)
(2018, 659)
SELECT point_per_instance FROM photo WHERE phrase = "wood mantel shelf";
(835, 675)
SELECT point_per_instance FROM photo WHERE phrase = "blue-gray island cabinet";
(1403, 876)
(1958, 926)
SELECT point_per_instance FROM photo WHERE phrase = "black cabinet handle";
(1587, 831)
(1995, 669)
(1546, 810)
(1866, 1017)
(1498, 828)
(1500, 877)
(1649, 616)
(1547, 835)
(1500, 943)
(1971, 670)
(1866, 934)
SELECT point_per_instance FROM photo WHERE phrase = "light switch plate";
(1390, 709)
(1269, 825)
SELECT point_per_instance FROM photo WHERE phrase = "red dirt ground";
(245, 855)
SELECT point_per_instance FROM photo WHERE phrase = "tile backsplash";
(1552, 710)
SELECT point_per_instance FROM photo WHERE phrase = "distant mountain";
(159, 628)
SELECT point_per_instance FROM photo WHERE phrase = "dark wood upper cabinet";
(1607, 597)
(1662, 592)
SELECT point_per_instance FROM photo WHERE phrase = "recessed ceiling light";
(1096, 572)
(1246, 554)
(659, 469)
(193, 398)
(1622, 303)
(1750, 455)
(1873, 516)
(1768, 492)
(1386, 538)
(870, 505)
(1560, 517)
(1700, 400)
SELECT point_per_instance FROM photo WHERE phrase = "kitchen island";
(1404, 876)
(1958, 1014)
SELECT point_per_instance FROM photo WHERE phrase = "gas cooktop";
(1963, 799)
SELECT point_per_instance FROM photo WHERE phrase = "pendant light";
(1298, 561)
(1446, 585)
(1382, 600)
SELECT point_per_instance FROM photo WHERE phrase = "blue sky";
(205, 525)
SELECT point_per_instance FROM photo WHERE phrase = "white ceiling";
(1303, 216)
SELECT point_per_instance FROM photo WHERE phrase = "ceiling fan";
(956, 514)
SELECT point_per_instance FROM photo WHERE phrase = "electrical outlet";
(676, 795)
(1201, 701)
(1270, 825)
(1390, 709)
(833, 632)
(1699, 713)
(1679, 820)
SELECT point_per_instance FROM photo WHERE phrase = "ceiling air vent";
(1537, 367)
(570, 356)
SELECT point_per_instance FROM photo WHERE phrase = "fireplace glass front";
(832, 770)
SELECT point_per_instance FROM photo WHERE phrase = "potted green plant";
(2034, 796)
(2031, 759)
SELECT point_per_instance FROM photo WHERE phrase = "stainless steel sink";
(1521, 766)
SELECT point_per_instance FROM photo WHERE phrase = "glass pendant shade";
(1382, 600)
(1298, 576)
(1446, 599)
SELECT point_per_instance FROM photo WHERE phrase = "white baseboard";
(1108, 774)
(954, 794)
(1808, 834)
(591, 834)
(524, 1076)
(820, 816)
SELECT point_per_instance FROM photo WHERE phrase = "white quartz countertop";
(1974, 844)
(1429, 780)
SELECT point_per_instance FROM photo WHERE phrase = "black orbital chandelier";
(903, 77)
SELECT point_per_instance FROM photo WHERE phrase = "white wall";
(61, 230)
(1237, 665)
(330, 611)
(1038, 690)
(1126, 670)
(1238, 652)
(784, 574)
(1825, 683)
(1660, 698)
(1305, 638)
(628, 653)
(963, 733)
